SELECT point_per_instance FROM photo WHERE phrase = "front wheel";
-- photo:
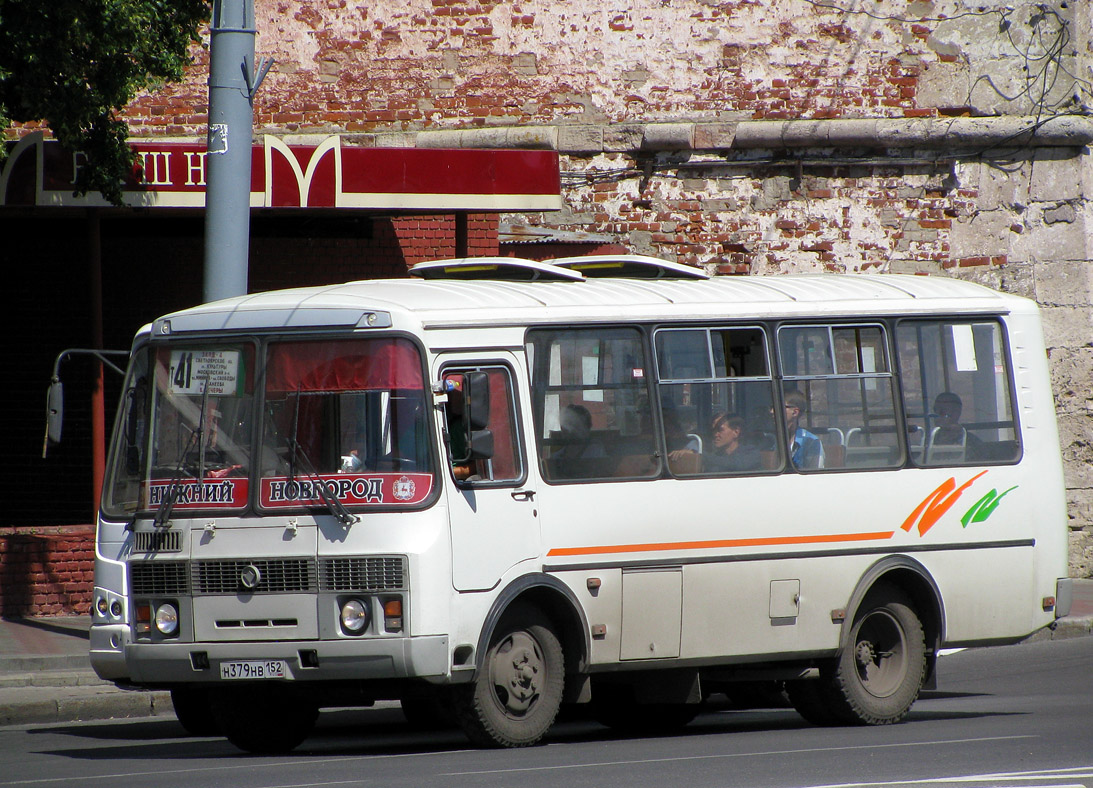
(879, 674)
(193, 707)
(518, 690)
(264, 720)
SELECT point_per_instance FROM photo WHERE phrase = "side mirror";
(476, 400)
(468, 417)
(55, 406)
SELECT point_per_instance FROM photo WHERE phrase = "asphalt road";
(1013, 717)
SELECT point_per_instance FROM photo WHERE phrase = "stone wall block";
(1065, 283)
(985, 233)
(668, 136)
(1068, 327)
(584, 139)
(714, 136)
(1055, 177)
(943, 84)
(622, 137)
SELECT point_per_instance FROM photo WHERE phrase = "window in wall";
(716, 395)
(591, 404)
(956, 391)
(839, 397)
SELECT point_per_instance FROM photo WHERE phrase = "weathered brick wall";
(46, 571)
(648, 102)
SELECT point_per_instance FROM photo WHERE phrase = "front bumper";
(156, 664)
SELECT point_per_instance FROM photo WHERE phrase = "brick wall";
(46, 571)
(603, 86)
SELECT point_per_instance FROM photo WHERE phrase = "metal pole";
(98, 399)
(228, 163)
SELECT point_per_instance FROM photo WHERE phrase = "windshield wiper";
(174, 489)
(297, 456)
(333, 505)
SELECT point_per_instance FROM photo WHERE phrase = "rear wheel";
(879, 674)
(516, 695)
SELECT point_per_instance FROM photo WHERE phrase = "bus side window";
(493, 455)
(838, 380)
(956, 391)
(591, 403)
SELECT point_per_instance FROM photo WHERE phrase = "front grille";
(157, 542)
(158, 578)
(384, 573)
(278, 576)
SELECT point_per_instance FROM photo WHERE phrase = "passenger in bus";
(576, 438)
(805, 449)
(731, 452)
(948, 431)
(684, 449)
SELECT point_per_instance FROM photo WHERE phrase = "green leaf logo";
(984, 507)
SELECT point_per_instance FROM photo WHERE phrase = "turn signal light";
(392, 615)
(144, 619)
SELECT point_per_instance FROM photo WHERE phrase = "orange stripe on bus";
(765, 541)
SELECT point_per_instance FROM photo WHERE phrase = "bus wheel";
(516, 695)
(264, 720)
(808, 698)
(427, 709)
(194, 710)
(880, 672)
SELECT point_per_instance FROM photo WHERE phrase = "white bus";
(502, 485)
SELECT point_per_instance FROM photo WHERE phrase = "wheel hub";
(516, 673)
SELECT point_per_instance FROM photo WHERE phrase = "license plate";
(253, 669)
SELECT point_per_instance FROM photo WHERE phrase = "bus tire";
(194, 710)
(428, 709)
(811, 702)
(518, 690)
(878, 676)
(265, 720)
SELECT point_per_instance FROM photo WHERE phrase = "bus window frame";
(515, 414)
(538, 395)
(1003, 329)
(265, 340)
(892, 374)
(767, 331)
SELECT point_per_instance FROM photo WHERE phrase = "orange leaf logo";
(936, 504)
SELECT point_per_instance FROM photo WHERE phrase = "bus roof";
(451, 303)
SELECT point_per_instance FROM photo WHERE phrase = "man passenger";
(805, 449)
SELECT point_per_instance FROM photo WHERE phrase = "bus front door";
(492, 509)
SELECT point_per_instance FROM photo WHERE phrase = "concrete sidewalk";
(46, 676)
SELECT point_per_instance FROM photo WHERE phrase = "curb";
(41, 704)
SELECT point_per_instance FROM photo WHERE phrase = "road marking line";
(737, 755)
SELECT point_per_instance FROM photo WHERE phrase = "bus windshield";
(348, 415)
(185, 430)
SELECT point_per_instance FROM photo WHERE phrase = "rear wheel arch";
(915, 581)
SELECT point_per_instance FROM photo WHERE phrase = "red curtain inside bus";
(343, 365)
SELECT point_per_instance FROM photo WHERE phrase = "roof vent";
(511, 269)
(629, 266)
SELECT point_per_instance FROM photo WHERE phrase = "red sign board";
(328, 175)
(353, 489)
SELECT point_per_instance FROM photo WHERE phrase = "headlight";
(354, 616)
(101, 606)
(167, 619)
